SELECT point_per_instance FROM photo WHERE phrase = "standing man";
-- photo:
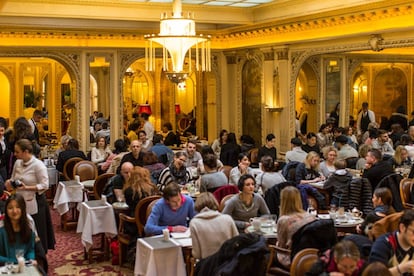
(365, 117)
(148, 127)
(396, 249)
(37, 116)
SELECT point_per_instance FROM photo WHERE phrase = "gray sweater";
(242, 214)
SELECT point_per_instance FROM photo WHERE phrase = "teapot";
(356, 213)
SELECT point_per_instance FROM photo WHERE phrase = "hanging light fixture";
(144, 108)
(177, 36)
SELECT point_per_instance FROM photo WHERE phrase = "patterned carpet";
(68, 257)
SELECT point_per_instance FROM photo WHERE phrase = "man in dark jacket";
(376, 169)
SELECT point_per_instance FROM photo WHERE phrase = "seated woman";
(175, 172)
(204, 151)
(138, 186)
(213, 178)
(292, 218)
(344, 259)
(327, 166)
(269, 177)
(245, 205)
(242, 168)
(16, 233)
(100, 153)
(209, 228)
(114, 160)
(400, 158)
(306, 173)
(152, 163)
(382, 202)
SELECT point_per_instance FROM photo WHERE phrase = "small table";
(154, 256)
(96, 216)
(346, 225)
(66, 192)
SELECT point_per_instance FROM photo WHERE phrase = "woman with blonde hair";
(292, 218)
(400, 158)
(308, 171)
(209, 228)
(327, 166)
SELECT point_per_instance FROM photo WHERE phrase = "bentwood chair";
(406, 185)
(68, 167)
(100, 184)
(303, 261)
(140, 218)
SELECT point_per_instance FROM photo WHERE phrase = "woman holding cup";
(245, 205)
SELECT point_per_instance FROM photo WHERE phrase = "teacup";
(340, 214)
(356, 213)
(256, 223)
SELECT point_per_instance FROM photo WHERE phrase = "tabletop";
(29, 270)
(96, 216)
(67, 191)
(155, 256)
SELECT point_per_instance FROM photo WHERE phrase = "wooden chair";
(303, 261)
(68, 167)
(87, 170)
(387, 224)
(139, 219)
(225, 190)
(149, 210)
(253, 157)
(406, 185)
(226, 170)
(223, 202)
(100, 183)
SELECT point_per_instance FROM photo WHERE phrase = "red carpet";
(68, 257)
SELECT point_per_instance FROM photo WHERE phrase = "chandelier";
(177, 36)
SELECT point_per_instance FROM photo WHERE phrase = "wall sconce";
(145, 108)
(273, 109)
(177, 109)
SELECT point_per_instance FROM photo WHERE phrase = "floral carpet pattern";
(68, 256)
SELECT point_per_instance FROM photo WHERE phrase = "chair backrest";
(100, 184)
(223, 202)
(141, 212)
(351, 162)
(303, 261)
(225, 190)
(320, 234)
(392, 182)
(87, 170)
(253, 156)
(387, 224)
(68, 167)
(406, 185)
(226, 170)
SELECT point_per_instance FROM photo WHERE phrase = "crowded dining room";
(206, 137)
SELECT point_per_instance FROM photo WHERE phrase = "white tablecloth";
(67, 191)
(154, 256)
(88, 184)
(96, 216)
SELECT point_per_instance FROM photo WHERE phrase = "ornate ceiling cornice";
(321, 27)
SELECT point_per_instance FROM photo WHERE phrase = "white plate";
(120, 205)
